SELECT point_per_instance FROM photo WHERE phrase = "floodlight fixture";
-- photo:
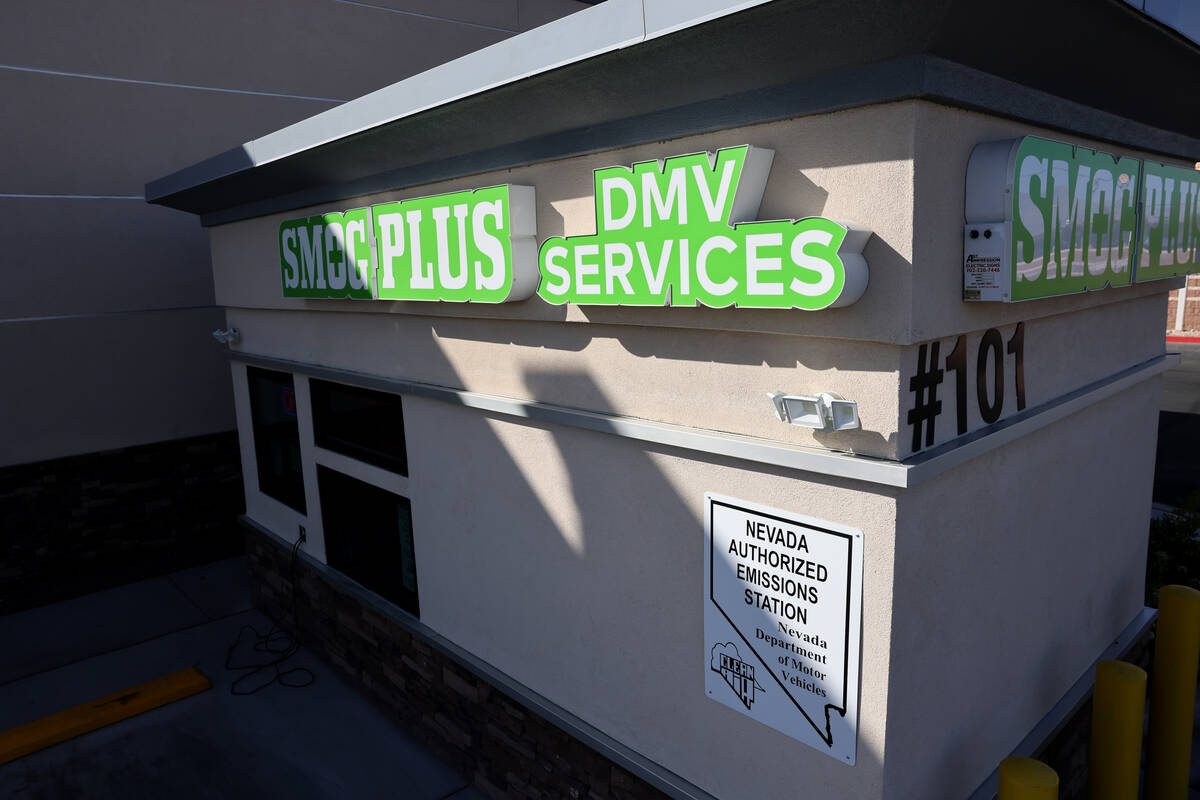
(823, 412)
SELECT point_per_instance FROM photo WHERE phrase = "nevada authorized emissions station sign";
(783, 621)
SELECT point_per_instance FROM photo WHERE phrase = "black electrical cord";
(277, 643)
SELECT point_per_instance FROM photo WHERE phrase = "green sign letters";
(1046, 219)
(680, 232)
(1074, 215)
(1170, 233)
(472, 246)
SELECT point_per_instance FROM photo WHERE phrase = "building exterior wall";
(536, 543)
(108, 301)
(536, 540)
(643, 358)
(109, 95)
(495, 739)
(1017, 607)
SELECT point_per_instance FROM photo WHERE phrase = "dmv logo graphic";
(681, 231)
(727, 662)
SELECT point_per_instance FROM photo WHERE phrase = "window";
(276, 436)
(361, 423)
(368, 536)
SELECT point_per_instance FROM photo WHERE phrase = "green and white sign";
(1046, 219)
(474, 246)
(680, 232)
(1170, 233)
(783, 621)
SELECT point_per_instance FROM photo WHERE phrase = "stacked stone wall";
(505, 748)
(81, 524)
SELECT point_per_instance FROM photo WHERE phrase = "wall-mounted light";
(228, 336)
(823, 412)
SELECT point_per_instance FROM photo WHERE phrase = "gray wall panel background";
(105, 326)
(69, 256)
(99, 382)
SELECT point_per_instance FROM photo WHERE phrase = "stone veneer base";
(498, 737)
(80, 524)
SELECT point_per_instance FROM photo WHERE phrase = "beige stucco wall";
(851, 165)
(942, 150)
(1012, 574)
(854, 165)
(572, 560)
(591, 589)
(1063, 352)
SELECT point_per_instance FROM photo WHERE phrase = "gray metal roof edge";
(911, 77)
(229, 162)
(612, 25)
(849, 88)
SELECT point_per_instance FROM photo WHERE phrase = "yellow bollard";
(1027, 779)
(1173, 693)
(1118, 706)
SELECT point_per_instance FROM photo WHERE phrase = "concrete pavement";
(323, 741)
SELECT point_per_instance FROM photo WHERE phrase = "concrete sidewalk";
(323, 741)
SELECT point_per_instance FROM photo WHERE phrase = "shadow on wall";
(647, 498)
(686, 345)
(604, 548)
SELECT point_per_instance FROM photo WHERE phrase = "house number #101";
(990, 355)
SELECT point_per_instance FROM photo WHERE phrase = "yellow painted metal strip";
(1173, 693)
(81, 719)
(1027, 779)
(1118, 706)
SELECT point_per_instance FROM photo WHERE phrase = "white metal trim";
(748, 448)
(378, 477)
(609, 26)
(957, 451)
(879, 471)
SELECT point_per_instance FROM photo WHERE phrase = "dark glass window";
(360, 423)
(276, 436)
(368, 536)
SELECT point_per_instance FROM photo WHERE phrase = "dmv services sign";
(474, 246)
(1045, 219)
(783, 621)
(676, 232)
(682, 232)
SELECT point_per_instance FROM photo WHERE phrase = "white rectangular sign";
(783, 621)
